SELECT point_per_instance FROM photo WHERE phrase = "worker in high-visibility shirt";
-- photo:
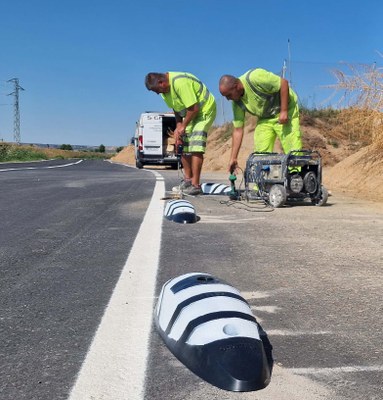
(272, 101)
(195, 110)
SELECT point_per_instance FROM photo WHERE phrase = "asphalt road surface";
(85, 250)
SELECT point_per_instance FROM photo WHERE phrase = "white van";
(153, 143)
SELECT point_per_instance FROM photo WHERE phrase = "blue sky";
(82, 63)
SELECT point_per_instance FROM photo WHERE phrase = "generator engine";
(278, 178)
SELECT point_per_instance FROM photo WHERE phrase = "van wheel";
(139, 164)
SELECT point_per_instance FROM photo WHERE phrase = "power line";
(16, 109)
(332, 62)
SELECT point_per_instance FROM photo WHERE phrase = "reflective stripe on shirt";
(273, 100)
(202, 86)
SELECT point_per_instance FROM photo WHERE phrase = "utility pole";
(289, 61)
(16, 109)
(284, 68)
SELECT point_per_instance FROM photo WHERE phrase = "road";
(75, 246)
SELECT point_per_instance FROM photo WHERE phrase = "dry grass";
(13, 152)
(362, 101)
(58, 153)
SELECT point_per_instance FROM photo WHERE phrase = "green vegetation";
(333, 143)
(9, 152)
(13, 152)
(66, 147)
(325, 114)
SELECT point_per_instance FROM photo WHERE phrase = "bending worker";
(272, 101)
(195, 110)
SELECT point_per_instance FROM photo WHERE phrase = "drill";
(233, 194)
(179, 148)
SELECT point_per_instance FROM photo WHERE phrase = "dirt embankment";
(347, 169)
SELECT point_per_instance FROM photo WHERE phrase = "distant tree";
(119, 149)
(66, 147)
(101, 148)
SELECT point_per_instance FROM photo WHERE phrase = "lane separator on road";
(115, 365)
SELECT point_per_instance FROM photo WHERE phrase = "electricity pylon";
(16, 109)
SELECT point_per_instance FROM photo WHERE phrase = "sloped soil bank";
(359, 174)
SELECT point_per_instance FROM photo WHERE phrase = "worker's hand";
(283, 117)
(233, 165)
(179, 132)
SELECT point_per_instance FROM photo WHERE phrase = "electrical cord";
(242, 204)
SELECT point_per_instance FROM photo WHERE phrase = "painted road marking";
(266, 309)
(114, 367)
(279, 332)
(49, 167)
(336, 370)
(254, 295)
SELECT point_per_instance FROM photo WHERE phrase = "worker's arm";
(284, 92)
(235, 146)
(182, 123)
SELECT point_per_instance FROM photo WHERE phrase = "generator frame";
(280, 178)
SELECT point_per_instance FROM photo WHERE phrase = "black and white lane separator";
(209, 327)
(181, 211)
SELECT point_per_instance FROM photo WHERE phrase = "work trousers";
(195, 137)
(268, 129)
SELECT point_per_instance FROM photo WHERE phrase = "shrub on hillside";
(12, 152)
(66, 147)
(309, 116)
(4, 148)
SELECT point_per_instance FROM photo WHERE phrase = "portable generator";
(280, 178)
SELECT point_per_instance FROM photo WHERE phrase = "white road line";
(254, 295)
(49, 167)
(336, 370)
(114, 368)
(279, 332)
(64, 165)
(266, 309)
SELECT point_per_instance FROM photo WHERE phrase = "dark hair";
(152, 79)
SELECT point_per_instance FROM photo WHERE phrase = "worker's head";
(231, 87)
(157, 82)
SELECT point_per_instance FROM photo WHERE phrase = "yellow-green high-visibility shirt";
(185, 91)
(261, 97)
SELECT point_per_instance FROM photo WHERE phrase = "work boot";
(185, 183)
(192, 190)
